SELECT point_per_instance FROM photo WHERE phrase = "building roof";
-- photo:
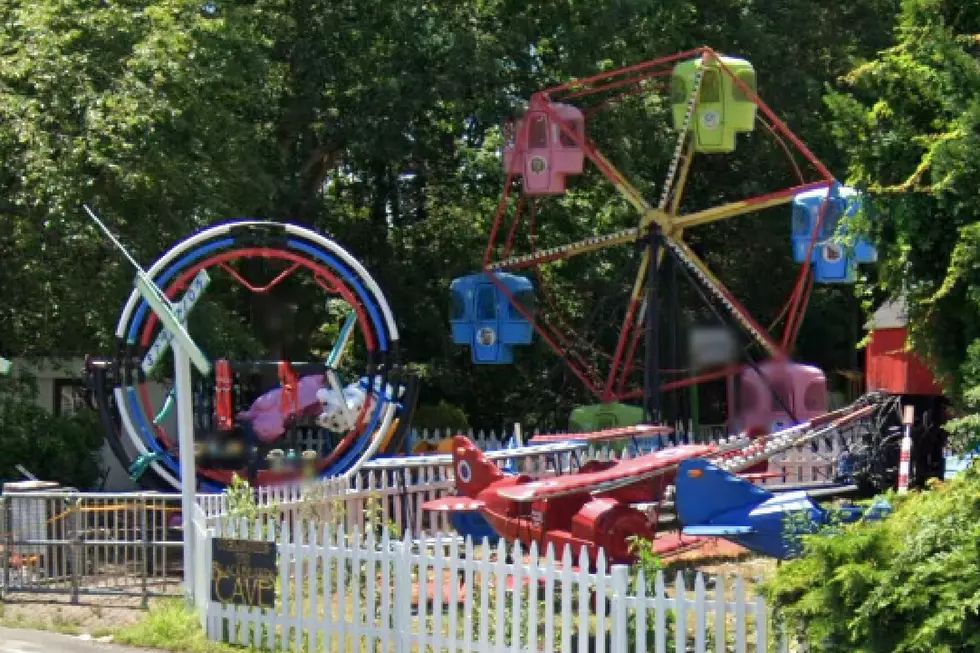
(892, 314)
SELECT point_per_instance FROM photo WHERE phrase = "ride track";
(128, 412)
(658, 225)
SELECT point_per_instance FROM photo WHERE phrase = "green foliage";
(649, 565)
(909, 121)
(62, 449)
(907, 584)
(646, 560)
(242, 505)
(442, 415)
(166, 117)
(797, 526)
(171, 625)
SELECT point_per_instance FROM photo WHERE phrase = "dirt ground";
(94, 615)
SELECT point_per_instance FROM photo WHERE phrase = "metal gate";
(91, 543)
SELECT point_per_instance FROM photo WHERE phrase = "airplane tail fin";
(473, 471)
(704, 492)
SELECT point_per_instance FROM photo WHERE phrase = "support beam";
(188, 473)
(651, 372)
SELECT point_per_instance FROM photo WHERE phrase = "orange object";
(222, 391)
(289, 399)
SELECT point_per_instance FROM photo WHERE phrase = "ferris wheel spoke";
(632, 322)
(678, 160)
(345, 410)
(583, 246)
(707, 278)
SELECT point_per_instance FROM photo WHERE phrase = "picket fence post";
(620, 589)
(205, 545)
(403, 596)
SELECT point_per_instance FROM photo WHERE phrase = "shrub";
(440, 416)
(908, 584)
(62, 449)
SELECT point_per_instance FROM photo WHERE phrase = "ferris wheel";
(712, 100)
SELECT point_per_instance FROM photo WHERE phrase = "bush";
(62, 449)
(440, 416)
(908, 584)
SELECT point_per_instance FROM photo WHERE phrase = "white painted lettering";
(163, 340)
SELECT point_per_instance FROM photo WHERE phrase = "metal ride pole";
(183, 390)
(673, 362)
(651, 365)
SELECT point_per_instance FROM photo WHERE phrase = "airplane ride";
(587, 510)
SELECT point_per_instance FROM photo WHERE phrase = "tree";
(910, 124)
(49, 446)
(909, 121)
(377, 123)
(906, 584)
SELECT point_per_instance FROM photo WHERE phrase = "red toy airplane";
(588, 509)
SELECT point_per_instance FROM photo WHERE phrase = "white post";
(402, 622)
(620, 589)
(905, 455)
(183, 390)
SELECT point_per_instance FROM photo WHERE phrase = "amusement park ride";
(589, 509)
(599, 505)
(242, 423)
(240, 427)
(712, 100)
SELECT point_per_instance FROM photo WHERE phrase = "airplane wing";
(453, 504)
(556, 447)
(623, 474)
(619, 433)
(759, 476)
(446, 459)
(409, 462)
(717, 531)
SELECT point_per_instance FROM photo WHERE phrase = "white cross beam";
(182, 311)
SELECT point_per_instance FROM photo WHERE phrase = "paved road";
(15, 640)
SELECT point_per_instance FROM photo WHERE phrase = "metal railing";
(77, 543)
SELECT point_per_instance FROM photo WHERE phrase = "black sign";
(243, 572)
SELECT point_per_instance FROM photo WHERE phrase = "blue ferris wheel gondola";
(487, 320)
(832, 260)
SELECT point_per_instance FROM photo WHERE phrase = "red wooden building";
(889, 365)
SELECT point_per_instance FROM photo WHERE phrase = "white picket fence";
(399, 494)
(491, 440)
(339, 592)
(371, 585)
(811, 464)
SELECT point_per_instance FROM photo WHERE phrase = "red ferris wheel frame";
(662, 218)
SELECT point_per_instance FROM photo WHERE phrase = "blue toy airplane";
(715, 503)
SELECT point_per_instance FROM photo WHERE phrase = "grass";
(171, 626)
(167, 625)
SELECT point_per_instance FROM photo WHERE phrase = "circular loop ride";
(356, 422)
(712, 99)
